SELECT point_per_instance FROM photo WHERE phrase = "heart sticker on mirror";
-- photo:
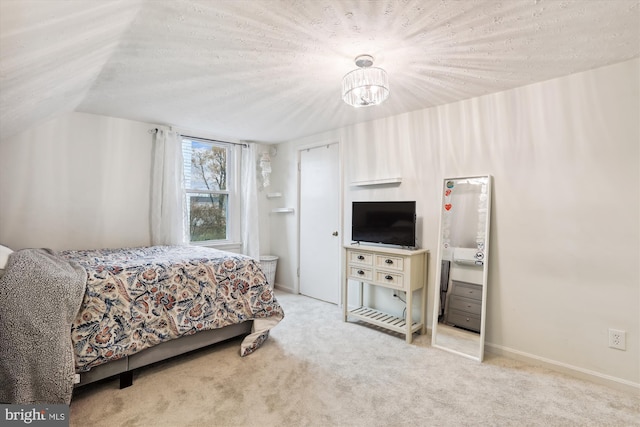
(447, 206)
(447, 193)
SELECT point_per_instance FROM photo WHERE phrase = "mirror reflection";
(461, 279)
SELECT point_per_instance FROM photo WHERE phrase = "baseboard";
(574, 371)
(279, 287)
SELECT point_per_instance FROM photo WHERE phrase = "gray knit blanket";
(40, 295)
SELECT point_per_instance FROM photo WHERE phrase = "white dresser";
(399, 269)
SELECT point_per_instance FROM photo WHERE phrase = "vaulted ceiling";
(270, 70)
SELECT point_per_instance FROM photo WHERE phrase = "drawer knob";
(388, 261)
(388, 277)
(360, 272)
(360, 257)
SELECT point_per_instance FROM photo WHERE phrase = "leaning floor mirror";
(462, 266)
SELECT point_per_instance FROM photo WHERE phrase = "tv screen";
(387, 223)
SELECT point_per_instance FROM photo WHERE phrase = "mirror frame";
(485, 272)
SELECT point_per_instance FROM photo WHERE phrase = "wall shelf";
(273, 195)
(383, 181)
(282, 210)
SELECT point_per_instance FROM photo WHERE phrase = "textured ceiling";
(269, 70)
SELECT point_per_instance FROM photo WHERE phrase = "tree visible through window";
(207, 189)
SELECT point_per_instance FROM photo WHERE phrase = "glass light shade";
(365, 86)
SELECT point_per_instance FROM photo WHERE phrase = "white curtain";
(250, 218)
(167, 197)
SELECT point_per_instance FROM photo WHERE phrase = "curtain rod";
(155, 130)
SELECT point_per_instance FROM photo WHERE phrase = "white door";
(320, 239)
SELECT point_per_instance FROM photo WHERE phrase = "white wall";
(76, 182)
(82, 181)
(283, 227)
(565, 226)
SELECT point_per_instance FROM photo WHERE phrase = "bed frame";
(124, 367)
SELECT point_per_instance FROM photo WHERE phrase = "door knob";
(335, 233)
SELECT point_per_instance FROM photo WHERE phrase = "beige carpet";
(316, 370)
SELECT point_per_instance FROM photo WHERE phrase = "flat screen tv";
(385, 223)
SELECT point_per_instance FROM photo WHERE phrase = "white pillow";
(4, 256)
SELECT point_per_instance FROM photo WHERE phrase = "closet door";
(320, 223)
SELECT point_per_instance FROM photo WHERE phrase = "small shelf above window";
(382, 181)
(282, 210)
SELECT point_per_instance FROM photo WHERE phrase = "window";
(210, 170)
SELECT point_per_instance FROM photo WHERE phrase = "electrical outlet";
(617, 339)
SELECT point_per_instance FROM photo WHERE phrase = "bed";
(124, 309)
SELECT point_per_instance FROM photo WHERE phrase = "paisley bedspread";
(139, 297)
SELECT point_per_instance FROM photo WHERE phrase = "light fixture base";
(364, 61)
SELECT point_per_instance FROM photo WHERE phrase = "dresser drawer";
(467, 290)
(360, 273)
(386, 278)
(468, 305)
(389, 262)
(464, 320)
(360, 258)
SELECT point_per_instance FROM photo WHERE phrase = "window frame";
(233, 239)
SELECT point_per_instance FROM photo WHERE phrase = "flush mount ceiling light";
(366, 85)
